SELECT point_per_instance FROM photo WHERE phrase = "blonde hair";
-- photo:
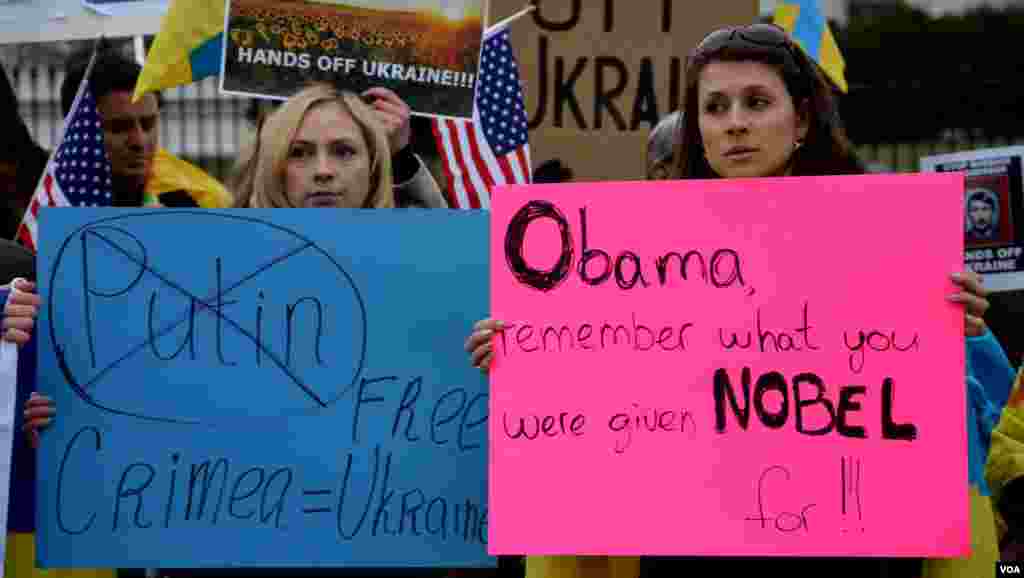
(258, 177)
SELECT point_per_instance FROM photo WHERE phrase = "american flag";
(492, 149)
(78, 174)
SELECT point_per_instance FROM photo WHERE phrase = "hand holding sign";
(393, 114)
(479, 344)
(39, 411)
(973, 298)
(20, 312)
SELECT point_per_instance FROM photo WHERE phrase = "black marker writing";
(390, 512)
(593, 336)
(124, 260)
(722, 269)
(837, 417)
(770, 340)
(549, 425)
(457, 417)
(850, 480)
(785, 521)
(876, 341)
(649, 420)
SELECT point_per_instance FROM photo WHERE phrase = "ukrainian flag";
(173, 174)
(1006, 457)
(807, 25)
(187, 48)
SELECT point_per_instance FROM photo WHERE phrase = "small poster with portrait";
(987, 212)
(993, 209)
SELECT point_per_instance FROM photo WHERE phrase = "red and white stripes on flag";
(78, 173)
(470, 166)
(492, 149)
(48, 195)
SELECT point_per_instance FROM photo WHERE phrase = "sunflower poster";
(427, 51)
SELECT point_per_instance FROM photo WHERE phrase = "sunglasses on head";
(753, 35)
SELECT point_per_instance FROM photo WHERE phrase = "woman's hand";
(478, 344)
(20, 312)
(394, 116)
(973, 298)
(39, 412)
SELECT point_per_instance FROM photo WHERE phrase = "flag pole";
(529, 8)
(140, 50)
(81, 85)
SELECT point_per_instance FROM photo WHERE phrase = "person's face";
(328, 162)
(980, 214)
(747, 119)
(131, 133)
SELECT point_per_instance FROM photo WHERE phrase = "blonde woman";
(321, 148)
(414, 185)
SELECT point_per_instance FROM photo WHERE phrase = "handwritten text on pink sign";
(760, 367)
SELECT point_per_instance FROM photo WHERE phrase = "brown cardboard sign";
(598, 74)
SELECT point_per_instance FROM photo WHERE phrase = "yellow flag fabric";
(187, 48)
(20, 562)
(172, 174)
(1006, 456)
(984, 545)
(805, 23)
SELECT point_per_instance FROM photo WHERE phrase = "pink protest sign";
(756, 367)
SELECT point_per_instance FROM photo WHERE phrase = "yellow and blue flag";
(803, 20)
(173, 174)
(187, 48)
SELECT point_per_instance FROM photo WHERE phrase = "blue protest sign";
(262, 388)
